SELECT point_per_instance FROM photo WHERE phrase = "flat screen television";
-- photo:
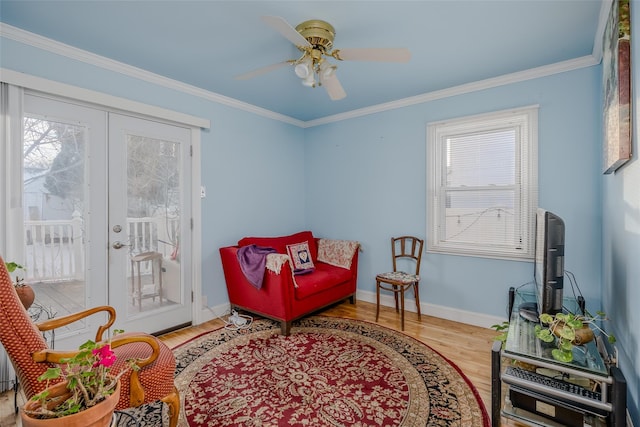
(549, 262)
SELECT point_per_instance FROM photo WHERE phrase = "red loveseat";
(282, 296)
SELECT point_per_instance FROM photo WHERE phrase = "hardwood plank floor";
(469, 347)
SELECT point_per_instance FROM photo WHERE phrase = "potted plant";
(569, 330)
(24, 291)
(87, 394)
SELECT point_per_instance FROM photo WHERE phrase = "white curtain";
(10, 193)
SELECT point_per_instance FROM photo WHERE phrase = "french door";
(149, 223)
(106, 208)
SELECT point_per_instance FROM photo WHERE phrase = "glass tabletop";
(522, 341)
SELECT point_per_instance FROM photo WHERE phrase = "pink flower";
(105, 356)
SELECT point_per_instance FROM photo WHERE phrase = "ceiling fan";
(314, 38)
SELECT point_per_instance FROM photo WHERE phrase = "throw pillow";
(301, 258)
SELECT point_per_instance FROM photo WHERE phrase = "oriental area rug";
(328, 372)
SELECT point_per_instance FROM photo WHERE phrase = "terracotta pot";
(26, 295)
(100, 415)
(583, 335)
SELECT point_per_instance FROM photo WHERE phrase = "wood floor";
(469, 347)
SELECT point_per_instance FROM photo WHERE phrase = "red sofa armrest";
(273, 300)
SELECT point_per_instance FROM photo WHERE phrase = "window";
(482, 184)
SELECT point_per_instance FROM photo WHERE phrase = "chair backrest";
(408, 248)
(20, 337)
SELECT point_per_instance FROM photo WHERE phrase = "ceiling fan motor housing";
(319, 33)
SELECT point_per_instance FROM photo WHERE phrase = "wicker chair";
(30, 355)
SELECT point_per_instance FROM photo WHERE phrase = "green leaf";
(502, 337)
(567, 333)
(612, 339)
(546, 318)
(50, 374)
(545, 335)
(11, 266)
(562, 355)
(575, 323)
(565, 344)
(89, 345)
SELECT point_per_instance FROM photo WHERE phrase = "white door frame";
(11, 129)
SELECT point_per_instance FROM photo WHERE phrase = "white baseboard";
(218, 311)
(448, 313)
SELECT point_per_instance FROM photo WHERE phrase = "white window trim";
(527, 151)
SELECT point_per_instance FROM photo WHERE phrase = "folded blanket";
(275, 262)
(252, 260)
(338, 253)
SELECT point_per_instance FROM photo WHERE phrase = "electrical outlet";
(203, 192)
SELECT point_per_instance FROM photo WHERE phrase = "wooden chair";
(404, 250)
(30, 355)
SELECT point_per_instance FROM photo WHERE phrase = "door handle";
(118, 245)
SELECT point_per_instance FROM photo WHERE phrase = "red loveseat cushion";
(280, 243)
(324, 277)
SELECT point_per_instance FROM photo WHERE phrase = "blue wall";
(366, 180)
(621, 246)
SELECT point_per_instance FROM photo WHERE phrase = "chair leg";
(395, 296)
(401, 307)
(416, 291)
(377, 299)
(173, 401)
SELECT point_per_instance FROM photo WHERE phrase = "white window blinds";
(482, 184)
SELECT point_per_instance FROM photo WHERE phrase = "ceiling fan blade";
(260, 71)
(373, 54)
(283, 27)
(334, 88)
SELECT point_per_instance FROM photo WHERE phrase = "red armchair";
(30, 355)
(284, 297)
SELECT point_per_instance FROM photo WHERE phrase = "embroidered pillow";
(301, 258)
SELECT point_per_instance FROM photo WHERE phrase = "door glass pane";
(153, 222)
(53, 202)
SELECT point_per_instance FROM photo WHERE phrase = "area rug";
(328, 372)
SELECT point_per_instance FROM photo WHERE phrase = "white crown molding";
(533, 73)
(52, 87)
(47, 44)
(71, 52)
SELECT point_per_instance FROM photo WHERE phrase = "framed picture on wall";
(616, 72)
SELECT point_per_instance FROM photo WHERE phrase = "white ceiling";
(206, 43)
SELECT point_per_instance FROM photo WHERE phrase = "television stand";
(537, 390)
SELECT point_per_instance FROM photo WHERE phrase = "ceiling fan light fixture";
(309, 81)
(314, 39)
(304, 69)
(327, 70)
